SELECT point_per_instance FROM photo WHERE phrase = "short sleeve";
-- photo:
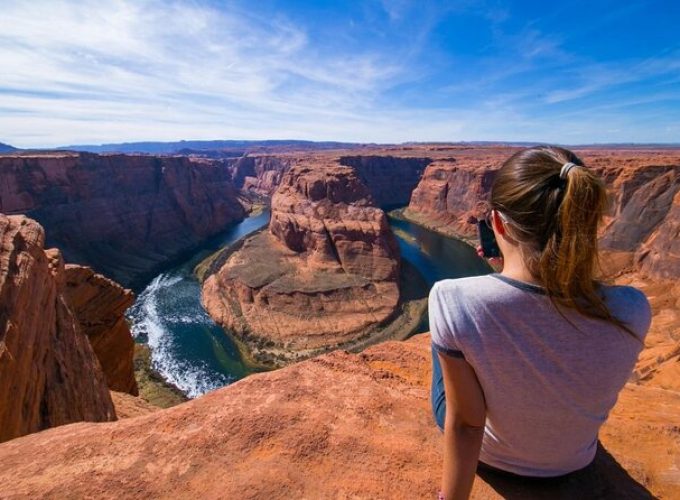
(631, 306)
(441, 325)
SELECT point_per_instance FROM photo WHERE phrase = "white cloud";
(124, 70)
(115, 70)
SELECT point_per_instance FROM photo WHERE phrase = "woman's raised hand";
(495, 262)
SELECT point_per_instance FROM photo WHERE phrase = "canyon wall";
(337, 426)
(259, 175)
(49, 374)
(452, 194)
(390, 179)
(125, 216)
(324, 275)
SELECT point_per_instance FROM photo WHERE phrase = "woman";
(527, 363)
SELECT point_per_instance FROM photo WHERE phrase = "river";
(190, 351)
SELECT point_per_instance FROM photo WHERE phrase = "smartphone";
(487, 239)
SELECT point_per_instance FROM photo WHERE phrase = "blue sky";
(95, 71)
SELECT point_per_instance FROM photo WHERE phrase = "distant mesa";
(196, 147)
(6, 148)
(324, 275)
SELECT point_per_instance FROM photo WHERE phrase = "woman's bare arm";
(463, 427)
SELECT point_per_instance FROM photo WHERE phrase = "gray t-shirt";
(548, 385)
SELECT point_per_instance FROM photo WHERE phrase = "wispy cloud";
(388, 71)
(150, 62)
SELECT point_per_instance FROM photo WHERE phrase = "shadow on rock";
(603, 479)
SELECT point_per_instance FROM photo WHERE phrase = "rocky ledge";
(99, 305)
(324, 275)
(49, 373)
(336, 426)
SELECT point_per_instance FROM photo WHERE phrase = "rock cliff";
(122, 215)
(337, 426)
(453, 192)
(259, 175)
(324, 275)
(390, 179)
(99, 306)
(49, 374)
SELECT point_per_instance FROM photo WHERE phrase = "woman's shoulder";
(469, 285)
(630, 305)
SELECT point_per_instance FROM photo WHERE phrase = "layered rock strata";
(337, 426)
(49, 374)
(122, 215)
(259, 175)
(451, 194)
(99, 305)
(324, 275)
(390, 179)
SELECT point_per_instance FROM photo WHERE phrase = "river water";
(189, 350)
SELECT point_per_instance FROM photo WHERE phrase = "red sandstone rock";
(122, 215)
(327, 213)
(390, 179)
(128, 406)
(324, 275)
(337, 426)
(49, 374)
(259, 175)
(452, 192)
(99, 305)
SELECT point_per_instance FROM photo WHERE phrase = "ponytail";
(555, 205)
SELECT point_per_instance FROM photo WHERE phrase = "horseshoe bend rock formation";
(123, 215)
(324, 275)
(337, 426)
(49, 374)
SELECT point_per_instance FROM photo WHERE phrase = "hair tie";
(566, 168)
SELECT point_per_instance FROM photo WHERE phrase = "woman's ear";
(497, 223)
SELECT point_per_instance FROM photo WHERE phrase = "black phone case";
(487, 239)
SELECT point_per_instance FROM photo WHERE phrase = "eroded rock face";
(123, 215)
(259, 175)
(99, 305)
(451, 193)
(325, 274)
(49, 374)
(644, 220)
(390, 179)
(327, 213)
(340, 425)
